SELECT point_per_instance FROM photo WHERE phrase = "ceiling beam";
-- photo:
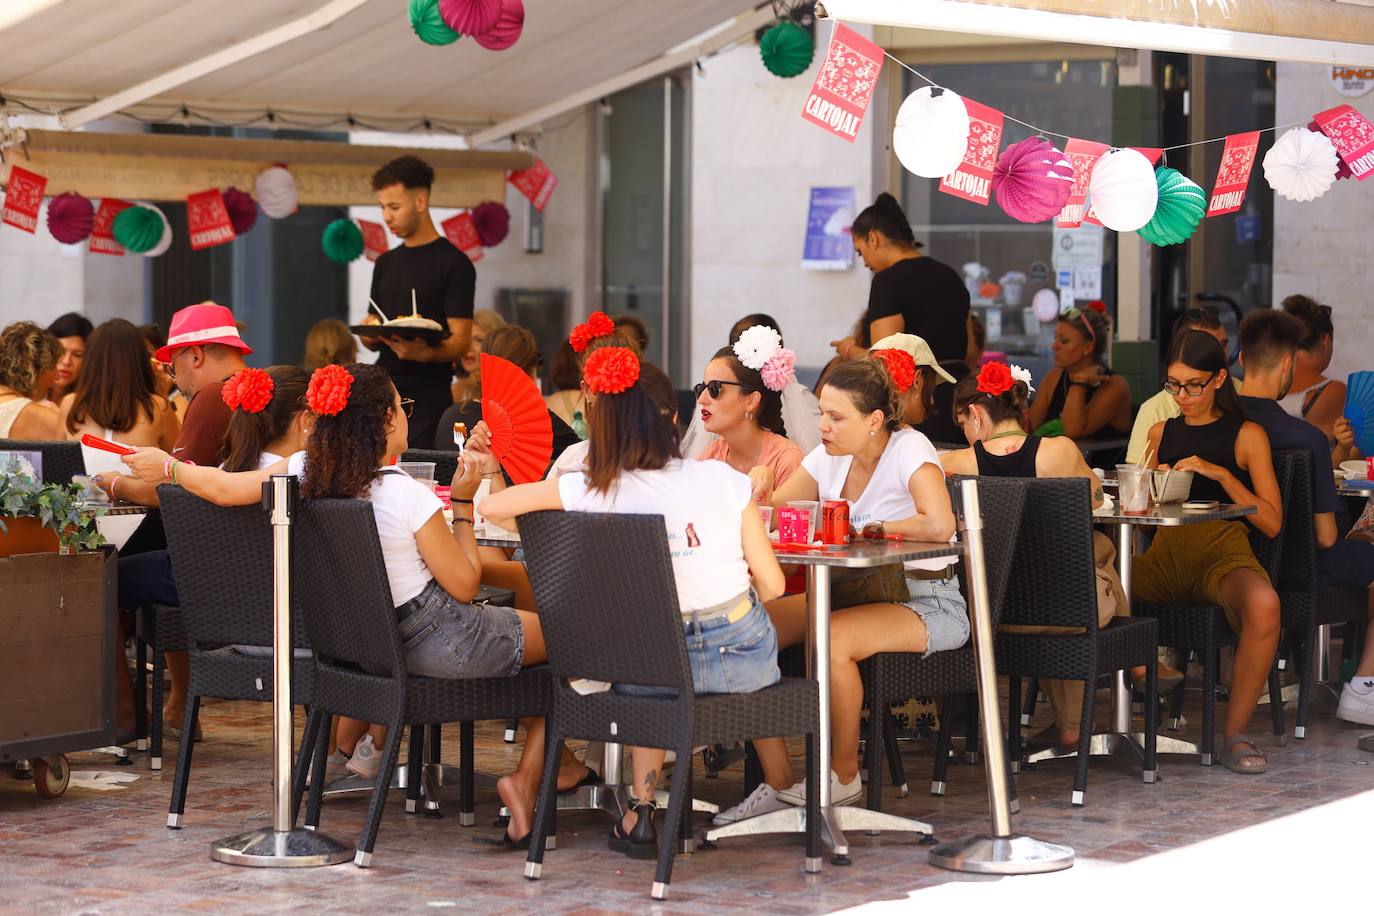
(326, 15)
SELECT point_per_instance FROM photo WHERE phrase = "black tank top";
(1020, 463)
(1214, 442)
(1060, 394)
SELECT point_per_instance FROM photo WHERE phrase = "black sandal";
(506, 843)
(589, 778)
(642, 841)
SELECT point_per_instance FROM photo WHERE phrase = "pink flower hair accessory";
(777, 371)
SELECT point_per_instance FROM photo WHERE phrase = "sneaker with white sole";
(760, 801)
(366, 759)
(1357, 707)
(335, 767)
(841, 793)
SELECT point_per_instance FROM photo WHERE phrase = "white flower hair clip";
(1022, 375)
(757, 345)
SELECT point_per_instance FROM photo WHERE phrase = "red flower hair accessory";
(995, 379)
(598, 324)
(1097, 305)
(901, 367)
(249, 389)
(328, 391)
(611, 370)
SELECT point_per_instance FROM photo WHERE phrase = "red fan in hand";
(514, 410)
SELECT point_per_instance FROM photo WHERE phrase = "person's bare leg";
(789, 619)
(520, 789)
(776, 765)
(646, 763)
(1257, 605)
(348, 732)
(512, 575)
(1365, 668)
(179, 673)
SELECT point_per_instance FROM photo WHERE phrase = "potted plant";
(39, 518)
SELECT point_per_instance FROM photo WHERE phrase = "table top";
(118, 507)
(1172, 515)
(1344, 489)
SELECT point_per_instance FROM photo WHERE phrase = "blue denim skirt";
(738, 657)
(942, 609)
(447, 638)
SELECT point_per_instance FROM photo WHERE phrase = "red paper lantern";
(493, 223)
(70, 218)
(508, 27)
(470, 17)
(243, 209)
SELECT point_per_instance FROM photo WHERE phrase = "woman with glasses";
(1162, 405)
(1212, 562)
(1314, 397)
(1080, 396)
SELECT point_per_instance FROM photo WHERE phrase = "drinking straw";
(378, 309)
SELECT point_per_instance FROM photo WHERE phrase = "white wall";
(754, 161)
(1324, 247)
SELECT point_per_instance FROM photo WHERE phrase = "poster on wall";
(828, 243)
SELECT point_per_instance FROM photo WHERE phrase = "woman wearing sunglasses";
(1212, 562)
(1080, 396)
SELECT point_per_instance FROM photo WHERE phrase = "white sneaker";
(760, 801)
(1355, 707)
(366, 759)
(335, 767)
(841, 793)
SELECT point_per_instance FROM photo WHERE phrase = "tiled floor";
(109, 851)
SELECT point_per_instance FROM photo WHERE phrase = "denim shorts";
(943, 611)
(738, 657)
(447, 638)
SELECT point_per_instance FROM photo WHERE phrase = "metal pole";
(1121, 690)
(282, 845)
(999, 853)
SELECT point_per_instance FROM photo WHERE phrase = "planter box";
(57, 638)
(27, 535)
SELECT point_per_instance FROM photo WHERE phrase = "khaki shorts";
(1185, 565)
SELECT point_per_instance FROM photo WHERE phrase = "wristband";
(174, 472)
(167, 468)
(459, 518)
(466, 502)
(113, 482)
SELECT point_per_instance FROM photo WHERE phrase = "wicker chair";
(445, 463)
(340, 587)
(223, 563)
(890, 677)
(591, 572)
(61, 460)
(158, 629)
(1203, 629)
(1053, 585)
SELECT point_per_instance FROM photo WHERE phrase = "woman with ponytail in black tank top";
(1212, 562)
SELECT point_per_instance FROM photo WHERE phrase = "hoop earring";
(977, 425)
(748, 415)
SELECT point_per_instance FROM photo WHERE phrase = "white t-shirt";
(701, 503)
(887, 498)
(574, 458)
(267, 459)
(401, 505)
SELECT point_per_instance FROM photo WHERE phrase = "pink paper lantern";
(507, 30)
(243, 209)
(493, 223)
(1032, 180)
(70, 218)
(470, 17)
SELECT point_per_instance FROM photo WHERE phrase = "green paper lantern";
(787, 49)
(1181, 207)
(138, 228)
(342, 241)
(429, 25)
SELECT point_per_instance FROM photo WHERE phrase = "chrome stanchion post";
(282, 845)
(1001, 852)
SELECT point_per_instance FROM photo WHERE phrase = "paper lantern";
(1045, 304)
(276, 192)
(138, 228)
(342, 241)
(1032, 180)
(787, 49)
(70, 218)
(429, 25)
(1181, 207)
(1301, 165)
(163, 243)
(507, 30)
(492, 221)
(243, 209)
(470, 17)
(1123, 190)
(1342, 170)
(930, 135)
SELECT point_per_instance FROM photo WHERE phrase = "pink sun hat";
(201, 324)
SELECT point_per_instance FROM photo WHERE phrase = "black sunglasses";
(1202, 311)
(715, 387)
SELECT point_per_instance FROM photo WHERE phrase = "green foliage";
(58, 506)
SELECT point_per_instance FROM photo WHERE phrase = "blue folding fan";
(1359, 409)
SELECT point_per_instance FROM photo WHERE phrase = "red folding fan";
(514, 410)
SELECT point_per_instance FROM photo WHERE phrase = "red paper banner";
(461, 230)
(374, 239)
(207, 220)
(23, 197)
(972, 180)
(844, 85)
(1151, 153)
(1083, 155)
(1237, 159)
(102, 230)
(1353, 137)
(536, 183)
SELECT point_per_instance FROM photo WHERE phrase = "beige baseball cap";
(918, 349)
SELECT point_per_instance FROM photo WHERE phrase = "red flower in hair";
(995, 379)
(611, 370)
(901, 367)
(249, 389)
(1097, 305)
(598, 324)
(327, 393)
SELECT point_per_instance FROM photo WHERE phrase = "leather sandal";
(642, 840)
(1235, 761)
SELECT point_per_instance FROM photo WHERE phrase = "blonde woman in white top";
(28, 368)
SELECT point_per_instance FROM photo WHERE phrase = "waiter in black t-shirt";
(444, 284)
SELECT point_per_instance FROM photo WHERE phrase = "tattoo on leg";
(650, 778)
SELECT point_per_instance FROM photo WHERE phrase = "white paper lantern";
(276, 192)
(1301, 165)
(166, 241)
(1123, 190)
(930, 135)
(1046, 305)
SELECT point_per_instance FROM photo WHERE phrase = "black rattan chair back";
(1053, 580)
(1269, 551)
(1298, 569)
(1001, 502)
(607, 598)
(61, 460)
(339, 585)
(445, 463)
